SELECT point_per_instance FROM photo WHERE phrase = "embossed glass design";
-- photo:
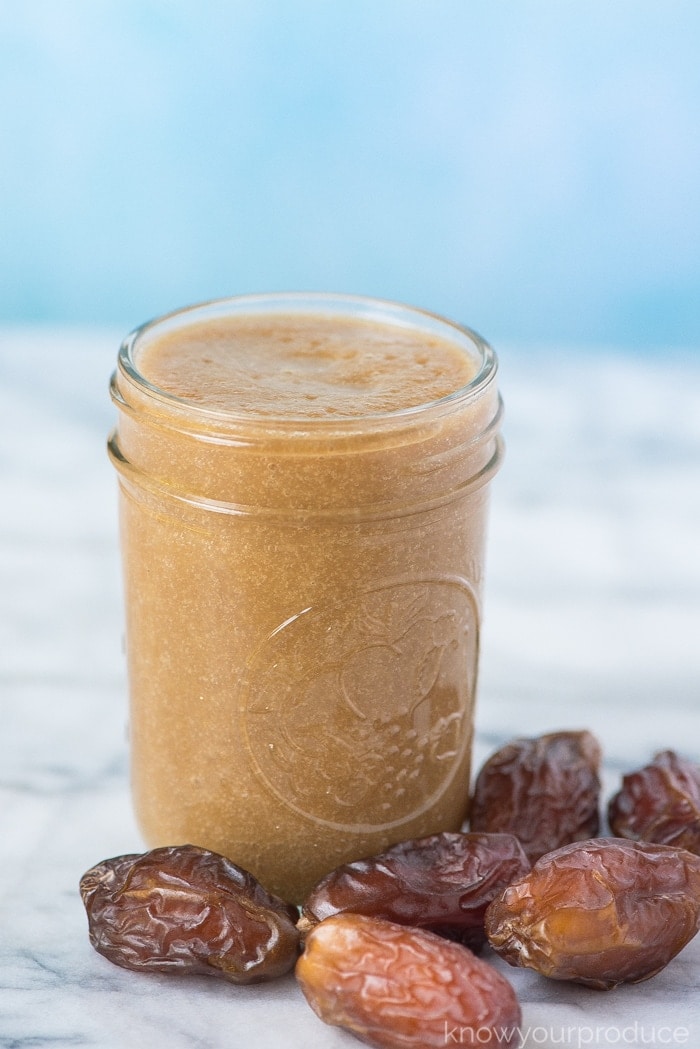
(302, 603)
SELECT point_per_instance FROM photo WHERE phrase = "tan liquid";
(299, 366)
(303, 572)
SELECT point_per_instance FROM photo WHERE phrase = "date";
(396, 987)
(545, 790)
(660, 802)
(184, 909)
(599, 912)
(443, 883)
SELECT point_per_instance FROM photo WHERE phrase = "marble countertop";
(592, 620)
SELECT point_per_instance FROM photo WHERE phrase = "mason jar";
(303, 498)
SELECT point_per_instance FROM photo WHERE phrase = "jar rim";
(304, 303)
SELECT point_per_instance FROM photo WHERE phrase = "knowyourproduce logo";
(570, 1036)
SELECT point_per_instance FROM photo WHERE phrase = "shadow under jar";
(303, 493)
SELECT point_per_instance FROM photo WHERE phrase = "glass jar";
(302, 600)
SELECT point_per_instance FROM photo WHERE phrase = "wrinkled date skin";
(395, 987)
(443, 883)
(660, 803)
(599, 912)
(545, 790)
(187, 910)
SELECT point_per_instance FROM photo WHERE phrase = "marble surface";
(592, 620)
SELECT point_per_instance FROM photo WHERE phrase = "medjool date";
(184, 909)
(599, 912)
(660, 802)
(396, 987)
(443, 882)
(545, 790)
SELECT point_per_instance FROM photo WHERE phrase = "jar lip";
(333, 304)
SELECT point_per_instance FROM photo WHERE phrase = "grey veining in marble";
(592, 619)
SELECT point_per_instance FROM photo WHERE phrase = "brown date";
(443, 883)
(545, 790)
(599, 912)
(185, 909)
(660, 802)
(395, 987)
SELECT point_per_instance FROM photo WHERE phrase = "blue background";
(531, 168)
